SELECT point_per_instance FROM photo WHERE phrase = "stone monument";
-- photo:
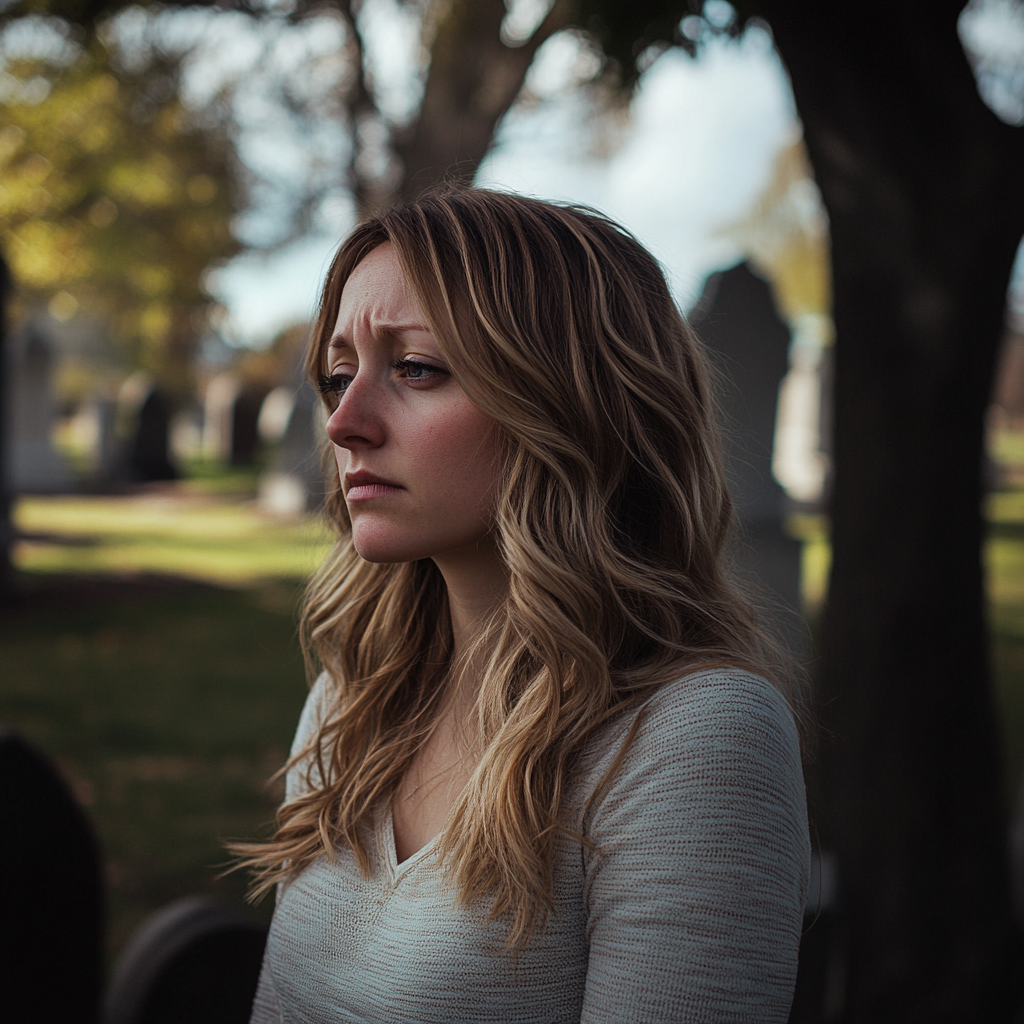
(748, 345)
(290, 419)
(33, 463)
(143, 427)
(51, 902)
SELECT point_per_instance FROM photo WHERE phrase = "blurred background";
(173, 182)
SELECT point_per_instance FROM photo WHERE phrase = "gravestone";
(748, 346)
(218, 400)
(292, 417)
(195, 961)
(51, 931)
(34, 464)
(244, 418)
(143, 426)
(231, 410)
(99, 418)
(819, 994)
(186, 433)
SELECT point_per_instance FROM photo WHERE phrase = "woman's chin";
(384, 550)
(385, 557)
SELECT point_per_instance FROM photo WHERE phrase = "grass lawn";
(151, 651)
(184, 530)
(166, 700)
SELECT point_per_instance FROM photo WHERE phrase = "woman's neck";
(477, 582)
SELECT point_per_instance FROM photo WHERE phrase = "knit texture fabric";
(688, 910)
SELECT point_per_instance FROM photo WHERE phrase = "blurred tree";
(474, 64)
(114, 199)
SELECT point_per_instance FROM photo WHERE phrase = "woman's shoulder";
(696, 827)
(298, 779)
(717, 692)
(703, 702)
(313, 712)
(709, 722)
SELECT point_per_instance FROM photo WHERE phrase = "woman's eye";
(414, 370)
(334, 383)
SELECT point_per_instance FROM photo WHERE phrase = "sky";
(693, 155)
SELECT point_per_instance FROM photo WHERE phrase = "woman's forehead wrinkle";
(376, 303)
(379, 315)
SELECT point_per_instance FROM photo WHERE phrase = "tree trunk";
(923, 189)
(473, 78)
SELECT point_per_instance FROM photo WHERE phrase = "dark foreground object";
(194, 962)
(51, 938)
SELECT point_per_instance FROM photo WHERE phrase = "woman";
(542, 775)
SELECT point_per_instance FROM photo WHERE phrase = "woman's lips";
(360, 492)
(362, 485)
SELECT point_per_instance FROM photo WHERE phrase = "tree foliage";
(785, 234)
(471, 72)
(114, 200)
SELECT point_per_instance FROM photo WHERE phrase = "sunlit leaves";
(114, 198)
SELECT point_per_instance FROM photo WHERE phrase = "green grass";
(176, 530)
(166, 708)
(151, 650)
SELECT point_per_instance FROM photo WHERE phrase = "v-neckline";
(397, 868)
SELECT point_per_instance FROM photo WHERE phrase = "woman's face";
(417, 459)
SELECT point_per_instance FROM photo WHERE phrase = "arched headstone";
(290, 421)
(143, 420)
(106, 452)
(820, 984)
(245, 436)
(218, 402)
(194, 962)
(51, 930)
(748, 344)
(231, 410)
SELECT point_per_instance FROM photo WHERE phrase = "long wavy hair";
(612, 518)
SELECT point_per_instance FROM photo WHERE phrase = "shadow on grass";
(166, 704)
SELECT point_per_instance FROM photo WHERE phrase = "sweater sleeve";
(265, 1008)
(304, 776)
(696, 889)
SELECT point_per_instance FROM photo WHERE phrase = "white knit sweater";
(689, 911)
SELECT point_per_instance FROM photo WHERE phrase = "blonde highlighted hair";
(612, 520)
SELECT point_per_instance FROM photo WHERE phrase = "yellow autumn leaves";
(114, 200)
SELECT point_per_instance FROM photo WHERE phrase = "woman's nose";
(357, 422)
